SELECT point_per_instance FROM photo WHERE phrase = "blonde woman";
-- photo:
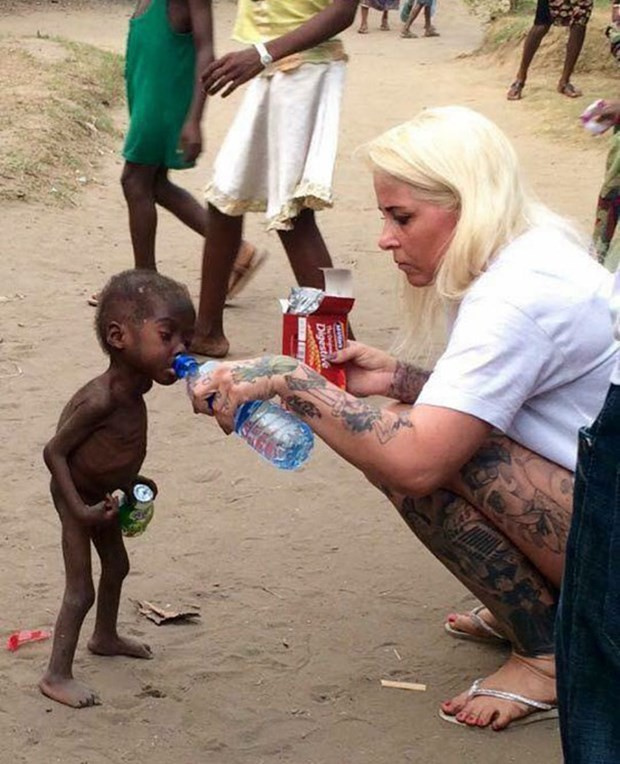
(477, 456)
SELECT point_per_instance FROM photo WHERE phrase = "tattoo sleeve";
(408, 382)
(357, 416)
(267, 366)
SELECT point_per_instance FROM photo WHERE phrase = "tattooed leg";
(526, 496)
(491, 567)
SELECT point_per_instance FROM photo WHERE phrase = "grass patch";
(56, 116)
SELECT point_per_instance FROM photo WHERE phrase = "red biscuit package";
(315, 323)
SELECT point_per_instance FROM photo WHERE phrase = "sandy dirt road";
(311, 587)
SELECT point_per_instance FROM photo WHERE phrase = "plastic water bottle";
(278, 436)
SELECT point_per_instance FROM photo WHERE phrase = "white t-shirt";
(615, 313)
(531, 350)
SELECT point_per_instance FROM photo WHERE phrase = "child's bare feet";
(66, 690)
(119, 646)
(533, 678)
(215, 346)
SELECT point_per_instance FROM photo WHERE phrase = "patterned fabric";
(381, 5)
(608, 209)
(569, 12)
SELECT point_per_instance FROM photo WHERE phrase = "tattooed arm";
(373, 372)
(409, 450)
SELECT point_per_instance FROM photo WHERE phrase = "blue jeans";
(588, 626)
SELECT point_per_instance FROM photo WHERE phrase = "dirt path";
(311, 588)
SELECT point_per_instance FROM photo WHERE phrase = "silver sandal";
(542, 711)
(491, 636)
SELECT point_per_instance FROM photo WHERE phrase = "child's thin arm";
(202, 32)
(71, 433)
(234, 69)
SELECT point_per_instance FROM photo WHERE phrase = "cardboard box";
(311, 337)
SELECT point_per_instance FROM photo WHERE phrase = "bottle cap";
(184, 365)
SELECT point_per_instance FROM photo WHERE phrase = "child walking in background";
(279, 154)
(143, 320)
(170, 42)
(379, 5)
(410, 13)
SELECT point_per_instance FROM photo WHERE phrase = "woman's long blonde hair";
(458, 159)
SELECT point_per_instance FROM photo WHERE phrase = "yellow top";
(263, 20)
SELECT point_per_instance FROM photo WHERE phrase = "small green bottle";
(136, 511)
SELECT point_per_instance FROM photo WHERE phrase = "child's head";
(145, 319)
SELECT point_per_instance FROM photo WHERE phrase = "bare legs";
(222, 240)
(138, 182)
(363, 27)
(532, 42)
(576, 36)
(58, 682)
(114, 569)
(415, 11)
(144, 188)
(306, 250)
(501, 529)
(304, 246)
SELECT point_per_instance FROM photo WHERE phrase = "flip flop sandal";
(490, 635)
(362, 30)
(93, 300)
(242, 274)
(542, 711)
(515, 91)
(407, 34)
(570, 91)
(432, 32)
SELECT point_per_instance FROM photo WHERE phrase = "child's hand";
(102, 513)
(230, 71)
(191, 141)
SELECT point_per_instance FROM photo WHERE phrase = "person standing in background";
(379, 5)
(573, 14)
(169, 44)
(279, 153)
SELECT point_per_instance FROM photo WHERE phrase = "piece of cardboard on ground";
(161, 615)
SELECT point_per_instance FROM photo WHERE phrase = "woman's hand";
(369, 371)
(221, 392)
